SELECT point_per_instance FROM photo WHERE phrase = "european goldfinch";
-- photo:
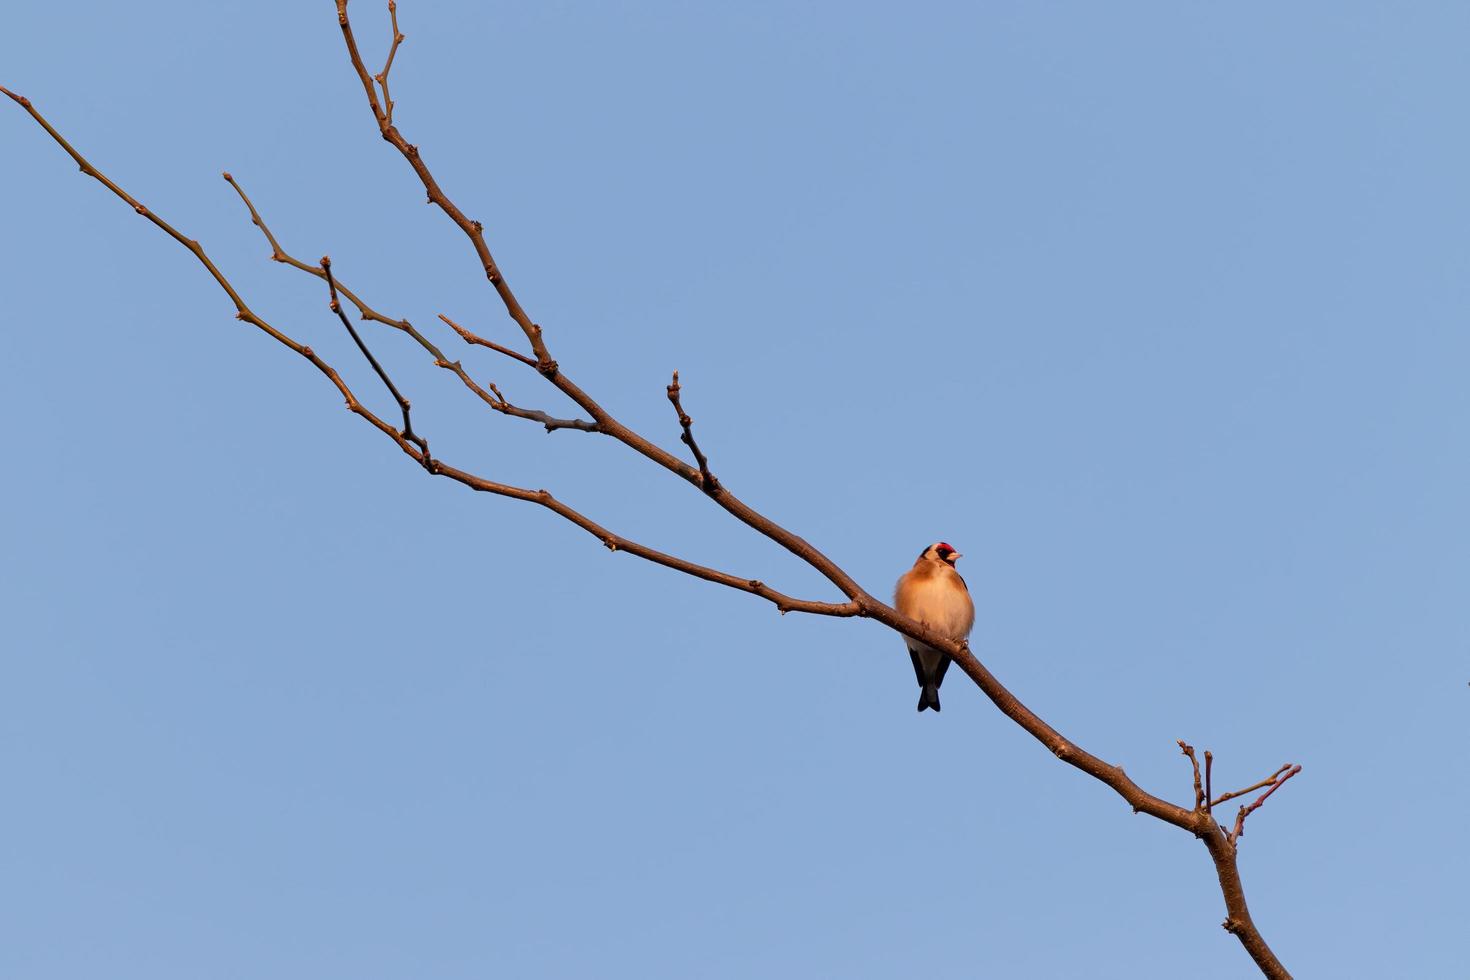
(933, 593)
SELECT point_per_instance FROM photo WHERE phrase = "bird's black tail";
(928, 683)
(929, 697)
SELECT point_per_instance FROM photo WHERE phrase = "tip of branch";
(326, 261)
(21, 99)
(227, 176)
(463, 333)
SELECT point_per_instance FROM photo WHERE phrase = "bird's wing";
(939, 671)
(918, 665)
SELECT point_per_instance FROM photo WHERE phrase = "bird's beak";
(954, 556)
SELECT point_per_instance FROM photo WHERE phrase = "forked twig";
(408, 433)
(707, 481)
(1203, 803)
(1276, 783)
(382, 77)
(1252, 787)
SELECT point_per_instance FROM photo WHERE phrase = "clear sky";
(1157, 311)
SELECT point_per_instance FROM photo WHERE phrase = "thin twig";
(499, 403)
(474, 338)
(1209, 762)
(408, 432)
(1199, 793)
(503, 404)
(707, 481)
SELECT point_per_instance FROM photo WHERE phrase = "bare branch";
(707, 481)
(614, 542)
(1220, 844)
(472, 229)
(242, 311)
(1221, 850)
(609, 425)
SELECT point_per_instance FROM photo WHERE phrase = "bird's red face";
(946, 554)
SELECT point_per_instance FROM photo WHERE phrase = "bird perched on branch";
(933, 593)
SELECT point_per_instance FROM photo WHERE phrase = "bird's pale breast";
(940, 600)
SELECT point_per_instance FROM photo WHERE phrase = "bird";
(933, 593)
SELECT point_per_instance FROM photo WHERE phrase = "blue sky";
(1156, 311)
